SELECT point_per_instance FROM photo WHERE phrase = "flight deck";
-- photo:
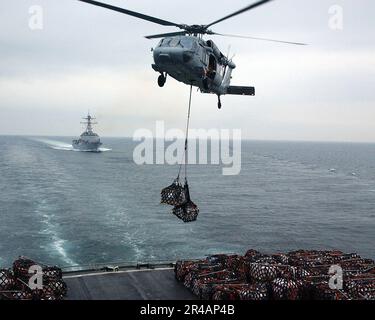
(143, 284)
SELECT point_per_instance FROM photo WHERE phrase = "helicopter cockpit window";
(187, 43)
(174, 42)
(165, 42)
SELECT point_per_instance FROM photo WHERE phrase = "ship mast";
(89, 123)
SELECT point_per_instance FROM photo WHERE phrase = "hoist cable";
(185, 154)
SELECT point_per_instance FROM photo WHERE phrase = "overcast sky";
(87, 57)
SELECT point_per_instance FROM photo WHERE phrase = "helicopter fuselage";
(194, 61)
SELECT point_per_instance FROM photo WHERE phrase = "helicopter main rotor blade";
(256, 38)
(133, 13)
(162, 35)
(250, 7)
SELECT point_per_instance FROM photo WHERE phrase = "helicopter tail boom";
(240, 90)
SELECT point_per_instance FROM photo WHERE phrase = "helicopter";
(188, 58)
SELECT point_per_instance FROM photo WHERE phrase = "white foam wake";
(59, 145)
(56, 243)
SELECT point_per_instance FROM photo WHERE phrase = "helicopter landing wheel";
(219, 102)
(162, 80)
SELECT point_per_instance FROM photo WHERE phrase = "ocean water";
(76, 208)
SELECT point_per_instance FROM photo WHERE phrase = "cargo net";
(297, 275)
(174, 195)
(6, 280)
(14, 283)
(253, 292)
(187, 212)
(178, 195)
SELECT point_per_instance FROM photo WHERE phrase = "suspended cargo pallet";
(177, 195)
(174, 195)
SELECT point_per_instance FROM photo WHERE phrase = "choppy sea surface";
(77, 208)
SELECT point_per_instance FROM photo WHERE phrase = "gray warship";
(89, 141)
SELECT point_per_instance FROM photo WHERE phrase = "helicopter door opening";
(212, 66)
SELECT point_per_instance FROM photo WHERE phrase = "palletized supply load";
(15, 282)
(298, 275)
(178, 195)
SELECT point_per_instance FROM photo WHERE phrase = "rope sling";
(178, 195)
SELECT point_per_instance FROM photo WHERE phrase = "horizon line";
(243, 139)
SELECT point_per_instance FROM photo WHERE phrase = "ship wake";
(63, 146)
